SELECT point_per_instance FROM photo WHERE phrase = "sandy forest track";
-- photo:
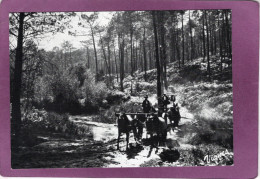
(98, 148)
(138, 155)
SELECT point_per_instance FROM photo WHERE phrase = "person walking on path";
(146, 105)
(165, 101)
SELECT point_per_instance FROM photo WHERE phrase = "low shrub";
(149, 88)
(116, 96)
(219, 132)
(213, 154)
(191, 73)
(206, 155)
(187, 158)
(74, 91)
(152, 163)
(39, 122)
(59, 93)
(212, 107)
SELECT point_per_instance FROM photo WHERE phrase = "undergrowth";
(212, 107)
(42, 123)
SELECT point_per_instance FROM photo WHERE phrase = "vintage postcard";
(129, 88)
(121, 89)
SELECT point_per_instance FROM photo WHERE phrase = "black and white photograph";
(112, 89)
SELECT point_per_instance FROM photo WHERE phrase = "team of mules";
(157, 124)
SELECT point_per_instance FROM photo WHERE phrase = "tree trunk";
(211, 40)
(136, 54)
(126, 63)
(177, 48)
(150, 57)
(131, 41)
(164, 58)
(224, 41)
(220, 44)
(108, 58)
(145, 60)
(208, 67)
(159, 91)
(172, 45)
(95, 51)
(133, 58)
(140, 56)
(191, 40)
(228, 34)
(104, 53)
(203, 32)
(215, 43)
(122, 71)
(88, 57)
(116, 63)
(109, 63)
(159, 29)
(16, 93)
(182, 40)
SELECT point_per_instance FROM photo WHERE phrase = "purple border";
(245, 17)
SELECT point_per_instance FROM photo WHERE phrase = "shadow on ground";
(64, 154)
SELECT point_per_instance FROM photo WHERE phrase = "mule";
(126, 124)
(156, 125)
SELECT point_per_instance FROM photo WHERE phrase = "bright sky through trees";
(50, 41)
(57, 39)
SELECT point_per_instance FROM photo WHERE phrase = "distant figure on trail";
(174, 115)
(173, 99)
(165, 101)
(146, 105)
(160, 106)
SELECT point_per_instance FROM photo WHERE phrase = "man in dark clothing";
(146, 105)
(174, 115)
(166, 101)
(173, 99)
(160, 106)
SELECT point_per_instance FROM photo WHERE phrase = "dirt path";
(98, 149)
(138, 155)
